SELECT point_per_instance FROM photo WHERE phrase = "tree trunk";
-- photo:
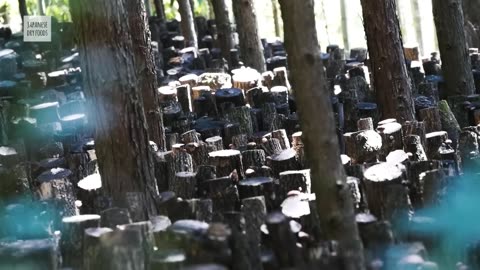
(108, 64)
(159, 8)
(456, 67)
(387, 60)
(148, 8)
(41, 9)
(418, 24)
(187, 23)
(247, 27)
(145, 71)
(275, 18)
(344, 12)
(334, 204)
(224, 28)
(471, 10)
(22, 6)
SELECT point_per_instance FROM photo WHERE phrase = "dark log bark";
(214, 143)
(178, 162)
(431, 117)
(184, 185)
(387, 196)
(145, 70)
(247, 28)
(297, 145)
(114, 216)
(449, 122)
(294, 180)
(242, 116)
(227, 161)
(253, 159)
(471, 10)
(254, 211)
(365, 124)
(188, 24)
(433, 183)
(392, 139)
(415, 128)
(456, 66)
(434, 141)
(387, 60)
(223, 194)
(184, 95)
(413, 145)
(258, 186)
(159, 9)
(337, 219)
(416, 186)
(72, 238)
(22, 6)
(112, 85)
(121, 249)
(363, 146)
(145, 228)
(199, 152)
(224, 28)
(241, 253)
(286, 160)
(91, 246)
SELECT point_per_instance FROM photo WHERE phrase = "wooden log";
(254, 211)
(171, 113)
(118, 245)
(413, 145)
(204, 173)
(112, 217)
(231, 95)
(253, 159)
(91, 246)
(283, 241)
(41, 254)
(365, 124)
(55, 185)
(269, 112)
(434, 142)
(433, 182)
(214, 143)
(354, 184)
(145, 228)
(72, 238)
(387, 197)
(239, 142)
(431, 117)
(223, 194)
(283, 161)
(184, 95)
(363, 146)
(281, 135)
(242, 256)
(271, 146)
(415, 128)
(281, 77)
(242, 116)
(414, 170)
(258, 186)
(215, 80)
(267, 79)
(88, 191)
(199, 91)
(189, 79)
(184, 185)
(392, 139)
(297, 145)
(191, 136)
(135, 202)
(294, 180)
(227, 161)
(205, 105)
(45, 113)
(178, 162)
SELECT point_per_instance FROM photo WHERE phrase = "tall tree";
(275, 18)
(22, 6)
(147, 7)
(317, 122)
(224, 27)
(187, 23)
(159, 9)
(471, 9)
(110, 81)
(251, 48)
(41, 8)
(387, 60)
(417, 23)
(343, 11)
(456, 67)
(145, 71)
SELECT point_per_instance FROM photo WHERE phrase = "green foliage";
(201, 8)
(4, 12)
(58, 9)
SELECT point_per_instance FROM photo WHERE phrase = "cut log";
(431, 117)
(392, 139)
(387, 197)
(72, 238)
(449, 122)
(365, 124)
(214, 143)
(253, 159)
(91, 246)
(281, 135)
(191, 136)
(434, 141)
(41, 254)
(241, 115)
(145, 228)
(118, 245)
(433, 184)
(413, 145)
(223, 194)
(227, 161)
(254, 211)
(283, 161)
(297, 145)
(232, 95)
(415, 128)
(184, 185)
(294, 180)
(363, 146)
(184, 95)
(259, 186)
(112, 217)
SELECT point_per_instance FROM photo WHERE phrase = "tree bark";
(108, 64)
(22, 6)
(247, 27)
(275, 18)
(456, 67)
(415, 4)
(344, 14)
(387, 60)
(41, 9)
(159, 8)
(145, 71)
(187, 23)
(334, 204)
(471, 9)
(224, 28)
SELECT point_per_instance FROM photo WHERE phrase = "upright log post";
(187, 24)
(387, 60)
(247, 27)
(224, 28)
(456, 67)
(334, 202)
